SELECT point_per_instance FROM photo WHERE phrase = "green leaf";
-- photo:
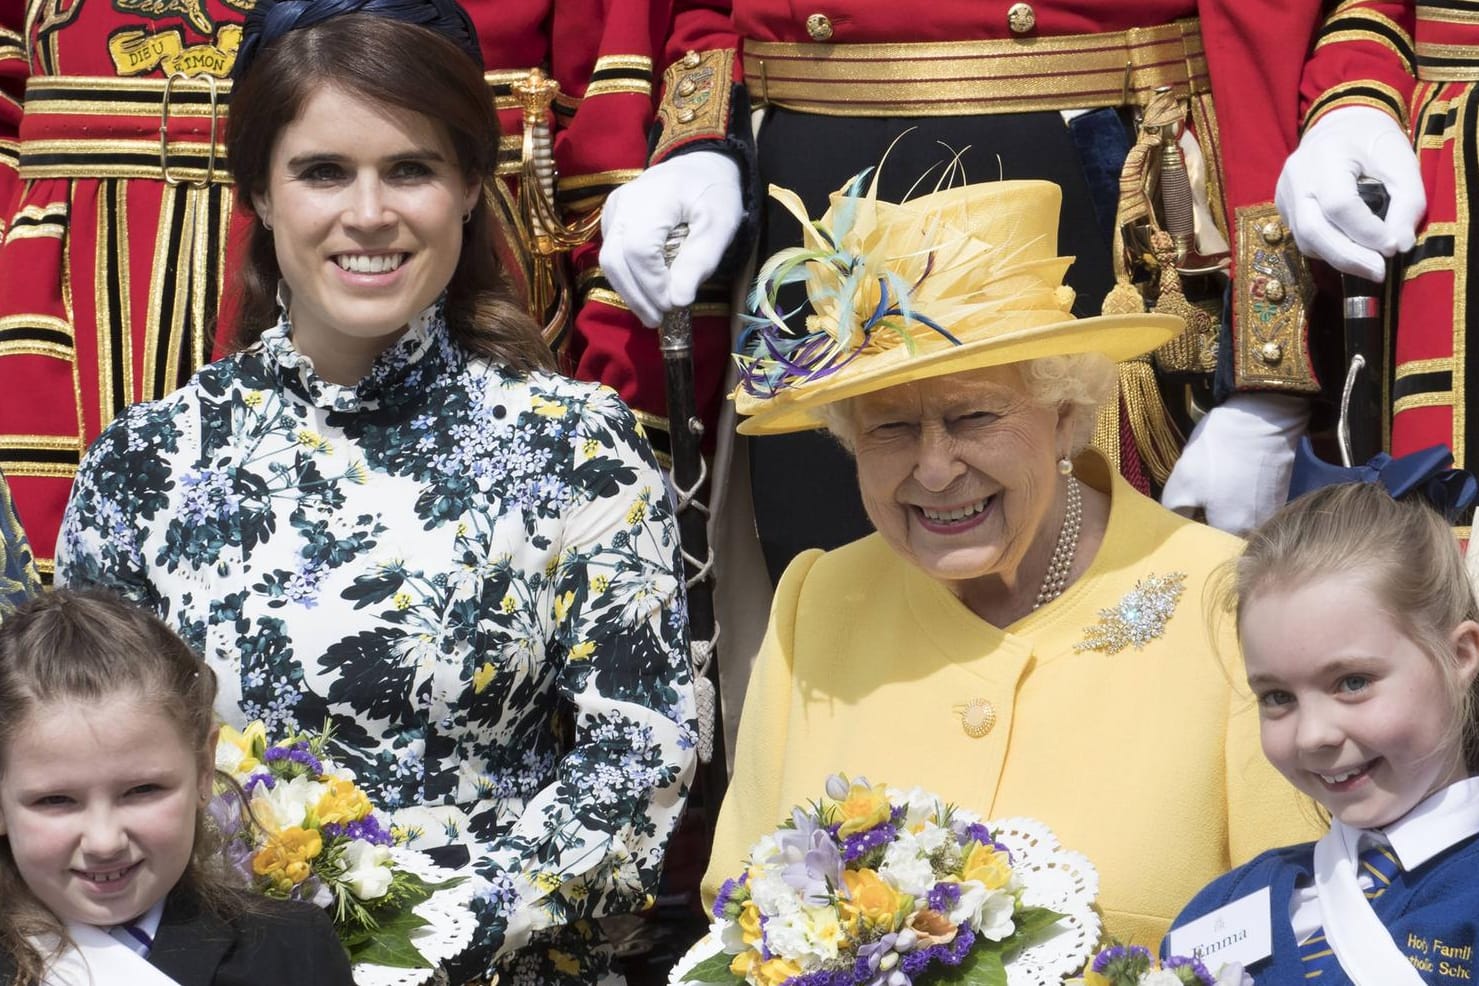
(1031, 920)
(390, 943)
(982, 967)
(714, 969)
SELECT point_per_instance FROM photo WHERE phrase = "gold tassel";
(1107, 431)
(1157, 438)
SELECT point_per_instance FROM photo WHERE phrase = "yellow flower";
(509, 604)
(247, 742)
(775, 971)
(862, 809)
(564, 962)
(252, 399)
(590, 448)
(284, 860)
(990, 867)
(749, 922)
(552, 566)
(871, 898)
(308, 438)
(481, 677)
(343, 803)
(562, 604)
(547, 882)
(357, 473)
(582, 651)
(741, 964)
(402, 600)
(600, 584)
(636, 512)
(546, 408)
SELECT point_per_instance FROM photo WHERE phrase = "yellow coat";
(1147, 761)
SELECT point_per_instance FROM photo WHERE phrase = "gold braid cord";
(1161, 244)
(548, 239)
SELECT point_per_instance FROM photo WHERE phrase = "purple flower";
(859, 844)
(261, 777)
(297, 753)
(1119, 953)
(721, 900)
(811, 864)
(1197, 969)
(943, 896)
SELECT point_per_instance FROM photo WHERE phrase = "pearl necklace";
(1055, 580)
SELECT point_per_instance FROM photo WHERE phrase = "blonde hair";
(1404, 553)
(1081, 381)
(89, 645)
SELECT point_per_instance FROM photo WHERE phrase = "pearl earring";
(1065, 466)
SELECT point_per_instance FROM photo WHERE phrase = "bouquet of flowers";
(315, 837)
(1121, 965)
(872, 886)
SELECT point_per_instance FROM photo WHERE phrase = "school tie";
(134, 937)
(1380, 866)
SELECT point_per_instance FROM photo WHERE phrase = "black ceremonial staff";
(1359, 429)
(690, 475)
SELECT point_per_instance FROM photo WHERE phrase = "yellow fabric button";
(1021, 18)
(819, 26)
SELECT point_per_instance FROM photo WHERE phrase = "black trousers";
(805, 485)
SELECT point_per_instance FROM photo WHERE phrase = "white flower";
(772, 894)
(428, 826)
(919, 806)
(994, 917)
(807, 936)
(906, 866)
(367, 870)
(1160, 977)
(287, 803)
(1232, 974)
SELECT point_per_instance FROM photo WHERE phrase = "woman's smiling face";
(958, 473)
(365, 202)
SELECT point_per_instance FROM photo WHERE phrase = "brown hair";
(1402, 550)
(89, 645)
(411, 68)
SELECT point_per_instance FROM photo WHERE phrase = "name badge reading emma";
(1238, 932)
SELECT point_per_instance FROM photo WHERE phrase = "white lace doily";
(1058, 879)
(449, 929)
(1052, 877)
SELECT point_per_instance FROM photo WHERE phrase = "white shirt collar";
(1438, 822)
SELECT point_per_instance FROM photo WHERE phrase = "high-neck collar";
(404, 370)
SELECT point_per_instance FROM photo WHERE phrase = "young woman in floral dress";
(386, 513)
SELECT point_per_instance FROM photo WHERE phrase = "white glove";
(1317, 197)
(701, 189)
(1237, 463)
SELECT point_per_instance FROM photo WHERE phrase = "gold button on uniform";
(686, 87)
(1271, 353)
(687, 116)
(691, 60)
(1273, 233)
(1273, 290)
(1021, 18)
(819, 26)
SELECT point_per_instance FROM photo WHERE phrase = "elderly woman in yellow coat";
(1025, 634)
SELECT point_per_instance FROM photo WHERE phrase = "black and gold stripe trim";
(188, 161)
(1364, 93)
(621, 73)
(1447, 62)
(582, 193)
(655, 428)
(37, 222)
(36, 335)
(501, 84)
(1364, 25)
(44, 456)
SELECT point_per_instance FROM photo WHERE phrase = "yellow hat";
(958, 279)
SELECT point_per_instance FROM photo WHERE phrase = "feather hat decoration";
(963, 277)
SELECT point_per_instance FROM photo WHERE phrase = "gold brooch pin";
(976, 717)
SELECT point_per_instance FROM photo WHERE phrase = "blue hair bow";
(1427, 473)
(271, 19)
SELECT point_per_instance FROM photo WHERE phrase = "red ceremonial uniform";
(112, 277)
(1420, 63)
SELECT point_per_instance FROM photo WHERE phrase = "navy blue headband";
(271, 19)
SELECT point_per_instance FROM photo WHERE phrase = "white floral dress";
(468, 572)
